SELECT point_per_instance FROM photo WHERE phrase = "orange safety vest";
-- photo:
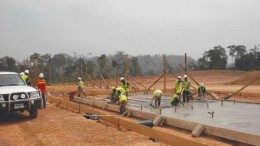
(41, 85)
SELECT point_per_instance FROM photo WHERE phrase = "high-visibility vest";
(201, 89)
(24, 77)
(174, 96)
(186, 85)
(41, 85)
(125, 86)
(122, 91)
(178, 86)
(157, 93)
(122, 98)
(80, 85)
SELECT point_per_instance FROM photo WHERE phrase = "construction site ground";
(55, 126)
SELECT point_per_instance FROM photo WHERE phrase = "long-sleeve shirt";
(41, 84)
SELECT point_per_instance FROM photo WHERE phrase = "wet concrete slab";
(243, 117)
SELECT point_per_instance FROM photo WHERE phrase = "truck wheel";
(34, 112)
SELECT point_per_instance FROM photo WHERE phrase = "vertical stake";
(185, 62)
(175, 108)
(164, 71)
(160, 111)
(141, 107)
(221, 102)
(207, 105)
(79, 107)
(234, 102)
(191, 107)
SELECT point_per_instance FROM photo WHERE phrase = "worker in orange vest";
(41, 85)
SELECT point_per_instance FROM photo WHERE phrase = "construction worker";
(202, 90)
(81, 87)
(122, 102)
(115, 93)
(25, 77)
(186, 89)
(178, 85)
(175, 99)
(125, 85)
(21, 74)
(157, 94)
(41, 85)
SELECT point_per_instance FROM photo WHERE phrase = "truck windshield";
(11, 80)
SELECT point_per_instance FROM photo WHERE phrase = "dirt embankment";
(246, 78)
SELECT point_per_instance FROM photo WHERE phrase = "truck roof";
(7, 72)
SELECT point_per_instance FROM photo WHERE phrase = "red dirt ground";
(55, 126)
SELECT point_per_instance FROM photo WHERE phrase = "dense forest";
(61, 68)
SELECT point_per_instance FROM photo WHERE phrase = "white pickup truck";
(15, 95)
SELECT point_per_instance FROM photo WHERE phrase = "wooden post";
(49, 74)
(185, 62)
(126, 67)
(164, 71)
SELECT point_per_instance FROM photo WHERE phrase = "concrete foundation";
(237, 116)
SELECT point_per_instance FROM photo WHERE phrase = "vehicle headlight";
(2, 98)
(15, 97)
(34, 94)
(23, 96)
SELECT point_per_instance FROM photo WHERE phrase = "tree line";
(241, 58)
(61, 68)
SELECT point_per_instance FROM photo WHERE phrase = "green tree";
(115, 66)
(215, 58)
(236, 52)
(8, 64)
(101, 63)
(120, 57)
(90, 67)
(203, 63)
(59, 63)
(135, 68)
(249, 61)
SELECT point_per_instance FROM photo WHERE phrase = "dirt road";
(55, 126)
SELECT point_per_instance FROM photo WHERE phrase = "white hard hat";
(79, 78)
(41, 75)
(185, 76)
(26, 71)
(122, 78)
(22, 73)
(201, 84)
(179, 77)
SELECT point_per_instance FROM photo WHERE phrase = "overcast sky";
(133, 26)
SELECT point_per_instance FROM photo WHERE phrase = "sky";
(137, 27)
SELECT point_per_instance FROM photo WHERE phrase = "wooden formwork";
(211, 130)
(117, 120)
